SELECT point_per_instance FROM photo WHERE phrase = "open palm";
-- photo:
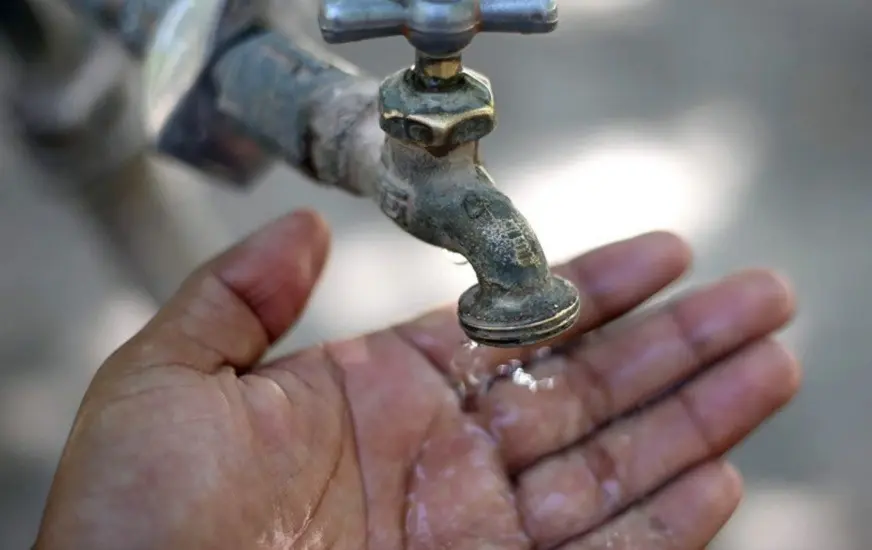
(186, 440)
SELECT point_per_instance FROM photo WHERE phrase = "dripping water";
(455, 258)
(474, 370)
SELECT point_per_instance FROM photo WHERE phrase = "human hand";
(184, 440)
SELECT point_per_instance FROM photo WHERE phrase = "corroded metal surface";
(224, 94)
(434, 185)
(450, 201)
(437, 118)
(297, 105)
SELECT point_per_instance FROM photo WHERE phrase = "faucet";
(226, 94)
(433, 184)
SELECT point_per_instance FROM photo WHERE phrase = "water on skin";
(473, 371)
(456, 258)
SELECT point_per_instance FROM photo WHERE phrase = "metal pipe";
(253, 95)
(225, 95)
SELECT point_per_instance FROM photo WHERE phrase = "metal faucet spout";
(450, 201)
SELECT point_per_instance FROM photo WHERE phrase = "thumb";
(230, 310)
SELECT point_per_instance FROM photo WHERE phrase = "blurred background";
(744, 125)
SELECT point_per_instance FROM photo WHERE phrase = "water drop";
(470, 373)
(508, 369)
(456, 258)
(474, 369)
(543, 353)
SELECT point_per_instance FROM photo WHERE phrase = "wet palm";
(181, 443)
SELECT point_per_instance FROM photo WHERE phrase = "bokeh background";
(744, 125)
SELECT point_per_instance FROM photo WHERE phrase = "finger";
(232, 308)
(596, 382)
(631, 458)
(684, 515)
(611, 280)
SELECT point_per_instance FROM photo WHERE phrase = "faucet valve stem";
(437, 72)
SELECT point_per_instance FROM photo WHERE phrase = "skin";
(186, 440)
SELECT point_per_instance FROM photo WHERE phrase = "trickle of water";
(543, 353)
(469, 373)
(456, 258)
(474, 369)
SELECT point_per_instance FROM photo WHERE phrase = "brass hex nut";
(437, 119)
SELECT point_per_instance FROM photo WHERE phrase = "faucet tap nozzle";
(433, 184)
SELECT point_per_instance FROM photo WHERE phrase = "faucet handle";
(433, 27)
